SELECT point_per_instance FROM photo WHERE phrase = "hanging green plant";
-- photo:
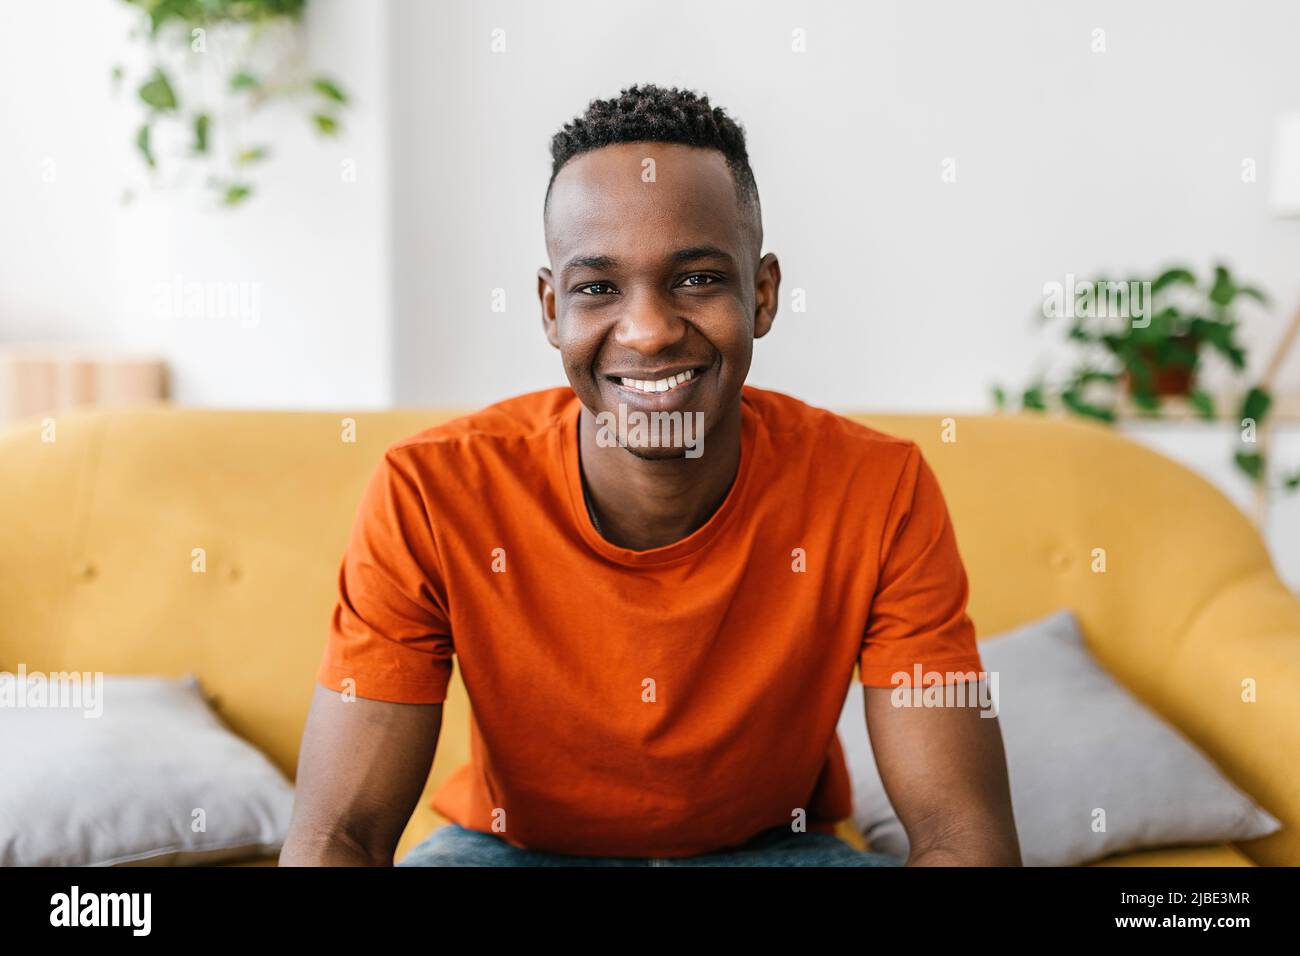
(212, 65)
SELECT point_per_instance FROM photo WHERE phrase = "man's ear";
(546, 295)
(767, 289)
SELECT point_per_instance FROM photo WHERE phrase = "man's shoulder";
(827, 453)
(521, 418)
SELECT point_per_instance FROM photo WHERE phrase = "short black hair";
(642, 113)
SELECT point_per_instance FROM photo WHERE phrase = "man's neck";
(647, 503)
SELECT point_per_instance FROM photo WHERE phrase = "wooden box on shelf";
(40, 380)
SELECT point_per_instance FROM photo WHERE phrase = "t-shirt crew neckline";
(683, 547)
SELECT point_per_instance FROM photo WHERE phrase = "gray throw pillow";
(1078, 746)
(140, 772)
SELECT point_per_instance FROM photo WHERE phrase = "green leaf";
(189, 13)
(1291, 482)
(161, 11)
(142, 144)
(202, 123)
(1203, 403)
(1223, 290)
(1146, 401)
(243, 80)
(252, 154)
(1140, 373)
(1033, 398)
(1086, 375)
(1250, 463)
(1071, 400)
(999, 397)
(1175, 276)
(1255, 404)
(326, 125)
(236, 193)
(1173, 352)
(157, 92)
(326, 88)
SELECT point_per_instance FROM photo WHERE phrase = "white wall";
(920, 293)
(310, 251)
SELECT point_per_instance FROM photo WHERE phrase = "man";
(656, 623)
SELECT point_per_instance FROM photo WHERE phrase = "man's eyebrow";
(689, 254)
(589, 262)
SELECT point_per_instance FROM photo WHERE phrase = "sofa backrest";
(101, 525)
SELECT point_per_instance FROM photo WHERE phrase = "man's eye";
(587, 289)
(709, 280)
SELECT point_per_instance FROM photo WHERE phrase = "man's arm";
(361, 769)
(945, 772)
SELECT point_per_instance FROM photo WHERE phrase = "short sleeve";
(918, 615)
(390, 633)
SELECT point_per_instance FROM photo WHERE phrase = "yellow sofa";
(100, 524)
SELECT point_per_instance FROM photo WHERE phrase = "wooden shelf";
(42, 380)
(1285, 410)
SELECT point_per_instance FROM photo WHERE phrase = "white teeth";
(661, 385)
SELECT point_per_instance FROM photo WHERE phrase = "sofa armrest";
(1246, 641)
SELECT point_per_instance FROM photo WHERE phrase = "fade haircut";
(650, 113)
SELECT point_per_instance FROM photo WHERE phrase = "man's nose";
(649, 325)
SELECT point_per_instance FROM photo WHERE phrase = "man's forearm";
(975, 849)
(329, 849)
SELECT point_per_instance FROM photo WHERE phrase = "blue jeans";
(454, 845)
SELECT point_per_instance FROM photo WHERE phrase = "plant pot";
(1171, 380)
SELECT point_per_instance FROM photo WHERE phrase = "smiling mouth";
(655, 385)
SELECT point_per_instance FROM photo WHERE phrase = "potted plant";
(1142, 342)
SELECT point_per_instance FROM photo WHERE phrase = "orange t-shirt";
(647, 703)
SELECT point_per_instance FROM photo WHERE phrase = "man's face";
(657, 293)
